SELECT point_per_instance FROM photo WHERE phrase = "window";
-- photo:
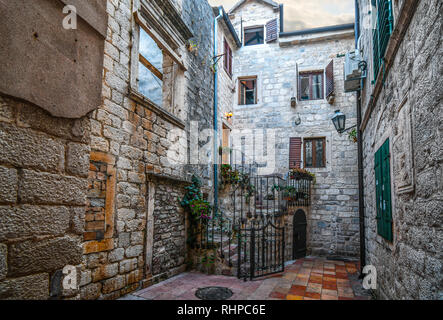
(150, 73)
(310, 85)
(383, 192)
(254, 36)
(228, 58)
(315, 152)
(248, 91)
(382, 30)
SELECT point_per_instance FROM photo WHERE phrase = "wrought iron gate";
(262, 246)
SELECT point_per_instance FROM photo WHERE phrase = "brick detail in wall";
(95, 210)
(99, 224)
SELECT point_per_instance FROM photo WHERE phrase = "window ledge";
(139, 98)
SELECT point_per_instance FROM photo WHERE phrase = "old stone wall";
(409, 113)
(148, 149)
(199, 94)
(44, 164)
(268, 126)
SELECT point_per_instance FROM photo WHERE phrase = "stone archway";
(299, 235)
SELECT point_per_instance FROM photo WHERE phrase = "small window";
(315, 153)
(228, 58)
(150, 72)
(311, 85)
(254, 36)
(248, 91)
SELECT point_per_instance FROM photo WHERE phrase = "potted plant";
(353, 135)
(302, 174)
(229, 175)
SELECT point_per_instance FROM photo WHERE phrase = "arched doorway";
(299, 235)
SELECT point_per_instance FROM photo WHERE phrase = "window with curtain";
(315, 153)
(311, 85)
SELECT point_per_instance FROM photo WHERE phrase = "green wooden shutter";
(387, 207)
(378, 193)
(382, 33)
(383, 192)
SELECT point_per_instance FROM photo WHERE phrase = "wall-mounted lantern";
(293, 102)
(298, 120)
(339, 121)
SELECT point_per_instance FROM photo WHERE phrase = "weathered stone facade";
(408, 111)
(102, 192)
(333, 218)
(43, 189)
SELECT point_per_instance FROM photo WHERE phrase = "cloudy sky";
(305, 14)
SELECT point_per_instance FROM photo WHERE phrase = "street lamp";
(339, 121)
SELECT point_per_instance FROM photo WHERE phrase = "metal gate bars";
(261, 248)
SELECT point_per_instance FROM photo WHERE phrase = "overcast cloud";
(305, 14)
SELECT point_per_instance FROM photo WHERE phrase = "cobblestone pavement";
(304, 279)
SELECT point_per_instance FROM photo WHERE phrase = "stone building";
(92, 180)
(401, 130)
(123, 101)
(287, 122)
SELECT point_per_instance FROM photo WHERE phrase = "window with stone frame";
(247, 91)
(310, 85)
(157, 68)
(150, 69)
(254, 36)
(228, 58)
(314, 152)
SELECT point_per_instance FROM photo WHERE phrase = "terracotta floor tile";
(319, 281)
(297, 292)
(329, 278)
(278, 295)
(306, 279)
(313, 295)
(326, 297)
(329, 292)
(293, 297)
(329, 286)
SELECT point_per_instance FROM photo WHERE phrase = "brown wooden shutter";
(329, 73)
(271, 30)
(294, 153)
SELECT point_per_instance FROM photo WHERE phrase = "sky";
(306, 14)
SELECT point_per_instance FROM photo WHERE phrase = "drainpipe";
(361, 203)
(220, 15)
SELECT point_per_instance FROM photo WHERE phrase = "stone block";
(91, 292)
(30, 221)
(116, 255)
(104, 272)
(25, 148)
(77, 162)
(134, 251)
(114, 284)
(34, 287)
(39, 187)
(45, 255)
(3, 261)
(128, 265)
(8, 185)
